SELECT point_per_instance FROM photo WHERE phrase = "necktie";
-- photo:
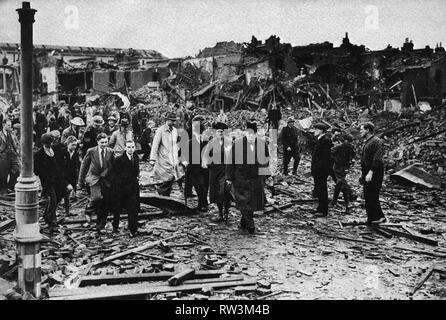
(102, 157)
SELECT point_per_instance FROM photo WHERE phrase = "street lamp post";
(27, 233)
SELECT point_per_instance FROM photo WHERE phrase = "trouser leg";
(103, 207)
(248, 218)
(165, 188)
(51, 207)
(117, 208)
(132, 213)
(14, 172)
(321, 193)
(286, 161)
(296, 162)
(4, 171)
(371, 196)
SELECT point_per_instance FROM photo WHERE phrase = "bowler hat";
(198, 118)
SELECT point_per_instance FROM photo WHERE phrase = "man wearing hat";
(289, 137)
(246, 168)
(196, 175)
(48, 166)
(73, 129)
(164, 155)
(214, 158)
(321, 164)
(91, 133)
(111, 125)
(120, 136)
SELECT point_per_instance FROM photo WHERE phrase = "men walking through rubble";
(164, 155)
(95, 170)
(9, 158)
(214, 158)
(245, 166)
(290, 143)
(343, 155)
(125, 189)
(321, 162)
(372, 167)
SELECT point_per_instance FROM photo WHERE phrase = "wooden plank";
(429, 253)
(138, 249)
(181, 277)
(155, 257)
(423, 279)
(410, 236)
(349, 239)
(5, 225)
(135, 290)
(141, 277)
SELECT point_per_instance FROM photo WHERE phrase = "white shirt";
(129, 156)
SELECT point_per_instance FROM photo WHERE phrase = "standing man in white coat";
(164, 155)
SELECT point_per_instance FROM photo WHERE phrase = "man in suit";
(321, 164)
(9, 157)
(246, 167)
(290, 145)
(125, 190)
(95, 170)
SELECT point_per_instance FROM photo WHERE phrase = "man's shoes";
(379, 221)
(320, 214)
(140, 224)
(251, 230)
(101, 231)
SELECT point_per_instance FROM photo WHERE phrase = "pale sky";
(179, 28)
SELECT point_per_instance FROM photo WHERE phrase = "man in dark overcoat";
(214, 159)
(246, 169)
(321, 165)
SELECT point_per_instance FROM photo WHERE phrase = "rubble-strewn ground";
(293, 251)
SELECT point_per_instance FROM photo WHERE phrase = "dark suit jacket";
(3, 144)
(125, 173)
(321, 161)
(91, 170)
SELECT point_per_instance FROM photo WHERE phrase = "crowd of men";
(77, 149)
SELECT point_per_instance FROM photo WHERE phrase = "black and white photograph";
(217, 156)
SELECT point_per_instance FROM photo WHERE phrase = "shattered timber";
(181, 252)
